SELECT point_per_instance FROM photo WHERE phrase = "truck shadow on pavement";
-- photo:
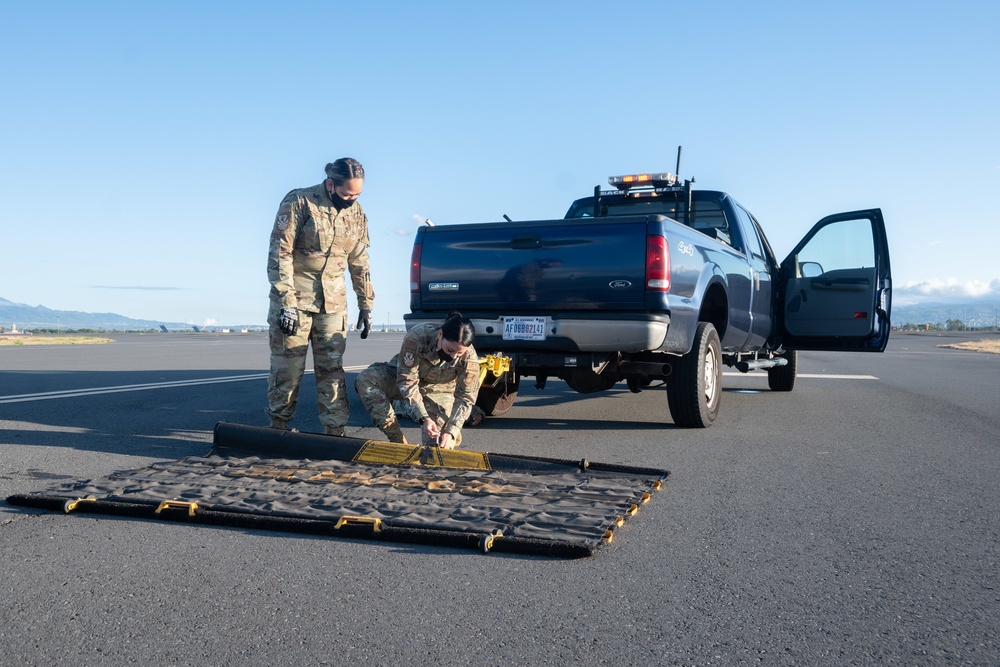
(611, 410)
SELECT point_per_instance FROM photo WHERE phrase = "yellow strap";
(486, 542)
(70, 505)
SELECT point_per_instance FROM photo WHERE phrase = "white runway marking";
(809, 375)
(94, 391)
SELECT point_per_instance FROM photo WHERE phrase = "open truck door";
(836, 286)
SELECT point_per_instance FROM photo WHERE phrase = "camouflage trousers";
(377, 389)
(326, 332)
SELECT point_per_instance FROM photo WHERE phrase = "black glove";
(288, 321)
(365, 322)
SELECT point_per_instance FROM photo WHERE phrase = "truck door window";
(836, 247)
(753, 241)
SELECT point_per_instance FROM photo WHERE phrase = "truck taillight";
(657, 263)
(415, 268)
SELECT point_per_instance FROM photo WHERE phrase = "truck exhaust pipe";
(759, 364)
(654, 369)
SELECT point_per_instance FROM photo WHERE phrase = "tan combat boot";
(334, 430)
(281, 424)
(394, 433)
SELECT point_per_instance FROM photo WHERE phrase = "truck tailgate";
(563, 265)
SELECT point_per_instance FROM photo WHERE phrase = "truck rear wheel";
(498, 400)
(782, 378)
(694, 392)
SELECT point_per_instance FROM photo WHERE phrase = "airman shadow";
(143, 414)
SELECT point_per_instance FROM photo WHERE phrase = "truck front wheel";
(694, 392)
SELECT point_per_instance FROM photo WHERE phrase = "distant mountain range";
(26, 317)
(971, 313)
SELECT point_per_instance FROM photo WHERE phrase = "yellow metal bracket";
(177, 505)
(498, 365)
(374, 522)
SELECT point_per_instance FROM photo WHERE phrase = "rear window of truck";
(707, 216)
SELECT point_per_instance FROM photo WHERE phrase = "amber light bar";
(632, 180)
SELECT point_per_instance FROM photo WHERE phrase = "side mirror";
(810, 269)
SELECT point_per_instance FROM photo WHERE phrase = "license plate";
(524, 328)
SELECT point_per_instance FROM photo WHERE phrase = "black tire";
(498, 400)
(694, 390)
(782, 378)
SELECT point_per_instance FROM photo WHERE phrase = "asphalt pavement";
(853, 521)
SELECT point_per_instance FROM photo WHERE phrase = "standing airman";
(319, 232)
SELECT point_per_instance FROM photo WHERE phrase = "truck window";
(631, 207)
(707, 215)
(839, 246)
(704, 214)
(753, 243)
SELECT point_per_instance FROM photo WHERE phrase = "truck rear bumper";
(610, 333)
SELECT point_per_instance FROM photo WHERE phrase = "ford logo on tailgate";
(619, 284)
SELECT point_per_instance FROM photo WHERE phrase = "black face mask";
(339, 202)
(445, 357)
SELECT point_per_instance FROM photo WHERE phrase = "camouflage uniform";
(444, 391)
(402, 409)
(312, 243)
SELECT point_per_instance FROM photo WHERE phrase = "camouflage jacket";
(420, 370)
(311, 246)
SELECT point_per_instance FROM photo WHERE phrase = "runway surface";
(854, 520)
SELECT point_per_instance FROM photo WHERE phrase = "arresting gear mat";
(263, 478)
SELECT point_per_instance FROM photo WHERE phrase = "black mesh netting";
(283, 480)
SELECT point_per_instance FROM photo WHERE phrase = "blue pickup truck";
(654, 283)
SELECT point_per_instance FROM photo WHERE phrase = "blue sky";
(144, 147)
